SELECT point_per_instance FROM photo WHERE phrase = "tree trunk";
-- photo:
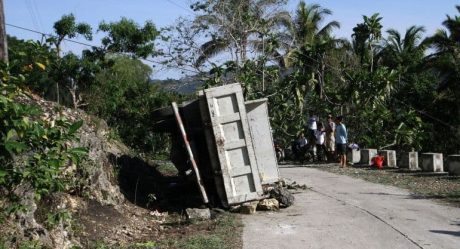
(244, 46)
(73, 93)
(321, 78)
(372, 58)
(57, 92)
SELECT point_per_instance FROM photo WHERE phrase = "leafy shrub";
(54, 218)
(33, 149)
(123, 96)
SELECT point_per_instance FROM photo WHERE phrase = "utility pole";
(3, 42)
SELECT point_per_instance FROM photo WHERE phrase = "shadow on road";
(309, 165)
(382, 193)
(446, 232)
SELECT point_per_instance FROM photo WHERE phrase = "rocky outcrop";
(95, 179)
(25, 223)
(102, 160)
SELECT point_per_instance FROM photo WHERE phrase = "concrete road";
(344, 212)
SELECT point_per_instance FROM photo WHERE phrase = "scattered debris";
(160, 216)
(284, 197)
(268, 205)
(197, 214)
(296, 186)
(249, 207)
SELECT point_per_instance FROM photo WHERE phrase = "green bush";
(33, 149)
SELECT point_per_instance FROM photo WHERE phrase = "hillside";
(185, 85)
(111, 198)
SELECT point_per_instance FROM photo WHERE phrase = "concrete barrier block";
(367, 155)
(390, 158)
(431, 162)
(453, 164)
(408, 160)
(354, 156)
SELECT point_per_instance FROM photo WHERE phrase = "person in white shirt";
(320, 134)
(312, 127)
(330, 137)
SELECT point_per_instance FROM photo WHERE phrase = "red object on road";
(377, 161)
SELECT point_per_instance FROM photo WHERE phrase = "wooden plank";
(190, 153)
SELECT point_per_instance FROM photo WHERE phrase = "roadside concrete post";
(432, 162)
(390, 158)
(409, 160)
(367, 155)
(354, 156)
(453, 164)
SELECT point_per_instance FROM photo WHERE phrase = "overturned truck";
(225, 142)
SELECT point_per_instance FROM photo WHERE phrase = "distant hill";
(185, 85)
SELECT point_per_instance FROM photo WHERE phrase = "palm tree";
(375, 33)
(446, 62)
(366, 36)
(307, 23)
(311, 42)
(404, 53)
(236, 26)
(446, 58)
(359, 39)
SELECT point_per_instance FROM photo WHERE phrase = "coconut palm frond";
(210, 49)
(327, 29)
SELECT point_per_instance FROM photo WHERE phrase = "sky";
(40, 15)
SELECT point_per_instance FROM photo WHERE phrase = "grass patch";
(196, 242)
(222, 233)
(166, 168)
(443, 188)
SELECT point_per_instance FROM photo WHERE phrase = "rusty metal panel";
(259, 125)
(232, 140)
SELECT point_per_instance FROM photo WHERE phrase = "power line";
(49, 35)
(93, 46)
(34, 3)
(33, 17)
(180, 6)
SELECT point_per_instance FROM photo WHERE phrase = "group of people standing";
(324, 141)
